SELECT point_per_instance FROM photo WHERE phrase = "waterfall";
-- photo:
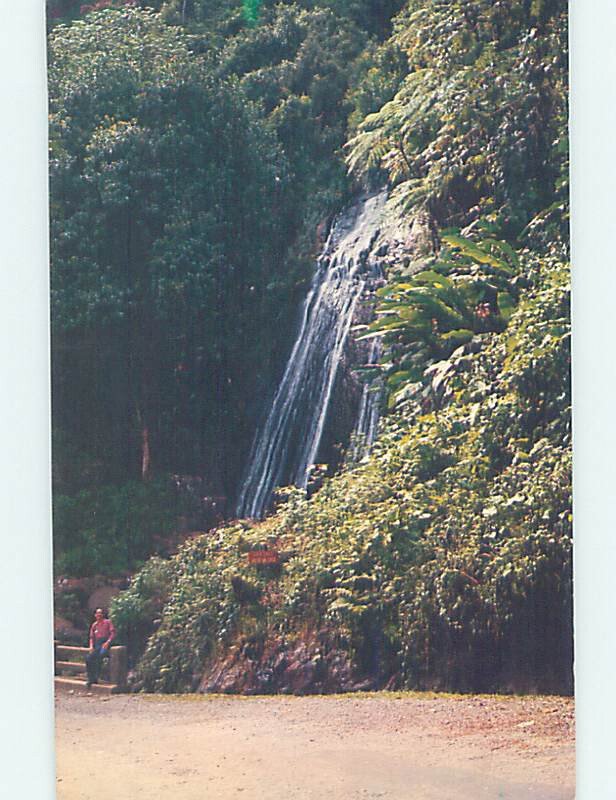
(365, 430)
(286, 445)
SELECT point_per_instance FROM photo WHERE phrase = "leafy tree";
(474, 128)
(299, 64)
(111, 530)
(169, 223)
(374, 16)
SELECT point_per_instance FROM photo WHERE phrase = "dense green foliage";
(169, 222)
(141, 606)
(478, 124)
(111, 530)
(196, 151)
(190, 166)
(448, 552)
(469, 288)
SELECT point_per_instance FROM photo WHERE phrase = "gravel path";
(352, 747)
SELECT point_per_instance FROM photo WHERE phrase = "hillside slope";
(444, 561)
(199, 152)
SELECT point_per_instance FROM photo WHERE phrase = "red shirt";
(101, 631)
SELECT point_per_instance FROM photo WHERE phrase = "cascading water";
(365, 430)
(287, 444)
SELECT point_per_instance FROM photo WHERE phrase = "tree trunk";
(145, 453)
(142, 422)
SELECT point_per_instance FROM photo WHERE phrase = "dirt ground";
(352, 747)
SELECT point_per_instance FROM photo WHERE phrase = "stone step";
(79, 686)
(70, 660)
(70, 666)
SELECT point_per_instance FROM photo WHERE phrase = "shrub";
(111, 530)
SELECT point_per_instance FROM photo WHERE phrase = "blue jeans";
(94, 661)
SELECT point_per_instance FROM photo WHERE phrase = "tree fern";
(476, 123)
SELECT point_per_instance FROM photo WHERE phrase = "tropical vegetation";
(198, 151)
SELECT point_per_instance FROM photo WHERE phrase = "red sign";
(263, 557)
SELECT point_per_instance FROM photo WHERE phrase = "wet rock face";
(398, 245)
(319, 403)
(307, 666)
(423, 239)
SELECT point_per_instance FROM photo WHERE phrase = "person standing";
(102, 634)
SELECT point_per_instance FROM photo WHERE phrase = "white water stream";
(366, 427)
(287, 444)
